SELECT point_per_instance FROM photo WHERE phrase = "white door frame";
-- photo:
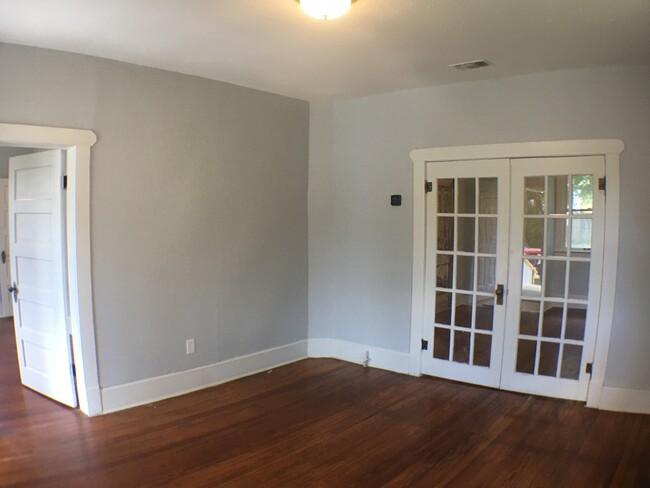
(77, 144)
(609, 148)
(6, 310)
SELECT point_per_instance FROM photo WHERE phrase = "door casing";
(77, 144)
(7, 303)
(609, 148)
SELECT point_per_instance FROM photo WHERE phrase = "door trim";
(6, 310)
(77, 144)
(609, 148)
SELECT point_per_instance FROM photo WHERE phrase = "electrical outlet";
(190, 346)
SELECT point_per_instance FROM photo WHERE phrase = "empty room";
(324, 243)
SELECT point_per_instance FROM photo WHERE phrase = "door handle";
(3, 256)
(14, 289)
(499, 293)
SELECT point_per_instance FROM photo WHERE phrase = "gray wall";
(198, 207)
(360, 250)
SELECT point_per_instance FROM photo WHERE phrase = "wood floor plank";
(319, 423)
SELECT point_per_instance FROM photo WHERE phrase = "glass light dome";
(325, 9)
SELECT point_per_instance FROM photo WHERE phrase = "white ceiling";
(379, 46)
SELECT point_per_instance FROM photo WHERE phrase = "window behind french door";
(514, 257)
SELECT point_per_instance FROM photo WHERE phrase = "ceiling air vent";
(479, 63)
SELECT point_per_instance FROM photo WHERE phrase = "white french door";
(513, 275)
(556, 244)
(467, 257)
(39, 287)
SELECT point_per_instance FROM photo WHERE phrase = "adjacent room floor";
(319, 422)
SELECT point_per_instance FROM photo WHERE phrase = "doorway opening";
(32, 224)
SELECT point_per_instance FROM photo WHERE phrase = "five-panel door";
(514, 256)
(37, 230)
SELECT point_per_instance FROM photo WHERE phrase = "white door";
(6, 304)
(467, 259)
(557, 230)
(36, 231)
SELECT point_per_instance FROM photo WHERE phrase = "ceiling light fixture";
(325, 9)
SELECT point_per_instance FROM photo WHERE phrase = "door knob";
(14, 289)
(499, 292)
(3, 256)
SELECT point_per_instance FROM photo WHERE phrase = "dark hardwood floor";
(321, 423)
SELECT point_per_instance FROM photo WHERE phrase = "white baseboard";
(153, 389)
(150, 390)
(356, 353)
(624, 400)
(120, 397)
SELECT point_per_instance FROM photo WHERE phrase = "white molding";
(150, 390)
(584, 147)
(354, 352)
(154, 389)
(419, 254)
(608, 287)
(610, 148)
(625, 400)
(78, 143)
(45, 137)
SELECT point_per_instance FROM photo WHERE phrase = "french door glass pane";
(582, 194)
(581, 235)
(466, 195)
(444, 270)
(526, 351)
(446, 194)
(552, 320)
(446, 233)
(487, 201)
(558, 195)
(579, 280)
(464, 310)
(461, 346)
(571, 360)
(465, 273)
(441, 341)
(549, 353)
(482, 350)
(576, 318)
(556, 240)
(466, 234)
(529, 317)
(486, 279)
(443, 307)
(487, 235)
(533, 237)
(531, 278)
(534, 201)
(484, 313)
(555, 279)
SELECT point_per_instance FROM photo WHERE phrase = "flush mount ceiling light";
(325, 9)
